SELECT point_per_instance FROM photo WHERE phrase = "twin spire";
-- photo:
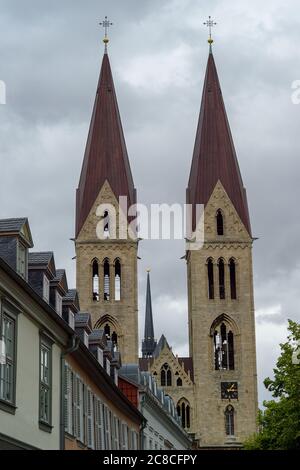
(106, 157)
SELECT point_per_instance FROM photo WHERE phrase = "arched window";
(210, 277)
(117, 280)
(223, 348)
(106, 224)
(229, 420)
(179, 382)
(166, 376)
(232, 273)
(107, 331)
(220, 222)
(114, 338)
(221, 278)
(96, 290)
(184, 412)
(106, 271)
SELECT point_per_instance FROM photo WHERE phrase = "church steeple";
(149, 343)
(106, 155)
(214, 157)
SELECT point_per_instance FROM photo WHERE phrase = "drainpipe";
(143, 425)
(75, 341)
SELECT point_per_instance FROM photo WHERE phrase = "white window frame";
(46, 288)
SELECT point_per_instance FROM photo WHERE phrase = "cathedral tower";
(220, 282)
(149, 344)
(106, 260)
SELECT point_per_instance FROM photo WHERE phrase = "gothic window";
(229, 420)
(117, 280)
(232, 273)
(106, 224)
(184, 412)
(179, 382)
(114, 338)
(166, 376)
(95, 268)
(106, 272)
(107, 331)
(223, 348)
(220, 222)
(221, 278)
(210, 276)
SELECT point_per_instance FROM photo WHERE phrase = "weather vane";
(210, 24)
(106, 24)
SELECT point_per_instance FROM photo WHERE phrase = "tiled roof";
(40, 258)
(12, 225)
(83, 319)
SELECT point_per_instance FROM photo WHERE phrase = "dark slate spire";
(149, 343)
(106, 154)
(214, 156)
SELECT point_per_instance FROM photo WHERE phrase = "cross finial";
(106, 24)
(210, 24)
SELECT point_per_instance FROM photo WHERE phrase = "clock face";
(229, 390)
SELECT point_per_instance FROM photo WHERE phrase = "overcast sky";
(50, 55)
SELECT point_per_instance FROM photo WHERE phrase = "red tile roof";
(106, 154)
(214, 153)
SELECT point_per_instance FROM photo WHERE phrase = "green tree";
(279, 423)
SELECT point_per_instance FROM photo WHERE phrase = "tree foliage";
(279, 423)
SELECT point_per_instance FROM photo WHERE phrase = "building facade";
(58, 378)
(162, 430)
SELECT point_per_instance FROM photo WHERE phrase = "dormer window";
(86, 339)
(100, 356)
(71, 319)
(46, 288)
(22, 260)
(58, 303)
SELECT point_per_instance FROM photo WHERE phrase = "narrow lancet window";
(117, 280)
(106, 271)
(210, 276)
(220, 223)
(106, 224)
(96, 293)
(232, 272)
(223, 348)
(229, 420)
(221, 279)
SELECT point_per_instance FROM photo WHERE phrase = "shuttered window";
(90, 420)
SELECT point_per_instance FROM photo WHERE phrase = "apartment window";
(68, 400)
(22, 260)
(8, 362)
(45, 384)
(99, 418)
(46, 288)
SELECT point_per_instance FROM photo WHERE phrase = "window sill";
(8, 407)
(45, 427)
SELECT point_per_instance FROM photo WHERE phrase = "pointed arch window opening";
(221, 279)
(117, 280)
(184, 412)
(229, 420)
(220, 223)
(111, 336)
(106, 272)
(232, 275)
(210, 276)
(95, 281)
(179, 382)
(223, 348)
(166, 376)
(106, 224)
